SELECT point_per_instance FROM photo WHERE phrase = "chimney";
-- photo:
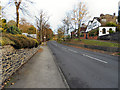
(113, 14)
(101, 15)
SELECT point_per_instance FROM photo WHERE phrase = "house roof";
(107, 26)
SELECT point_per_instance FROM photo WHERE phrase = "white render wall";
(118, 5)
(25, 34)
(93, 25)
(33, 35)
(107, 30)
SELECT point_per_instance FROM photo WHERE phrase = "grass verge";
(95, 43)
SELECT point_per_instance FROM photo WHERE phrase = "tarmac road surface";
(86, 69)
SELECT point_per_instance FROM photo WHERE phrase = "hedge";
(13, 30)
(5, 41)
(21, 41)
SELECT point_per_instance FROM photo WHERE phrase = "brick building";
(75, 33)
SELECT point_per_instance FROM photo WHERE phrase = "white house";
(105, 30)
(25, 34)
(92, 25)
(33, 35)
(118, 6)
(102, 30)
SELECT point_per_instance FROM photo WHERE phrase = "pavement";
(86, 69)
(39, 72)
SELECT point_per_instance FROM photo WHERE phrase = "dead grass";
(40, 50)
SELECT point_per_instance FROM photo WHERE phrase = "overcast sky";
(57, 8)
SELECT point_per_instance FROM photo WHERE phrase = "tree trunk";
(78, 31)
(17, 19)
(41, 31)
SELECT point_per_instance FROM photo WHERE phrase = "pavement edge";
(59, 69)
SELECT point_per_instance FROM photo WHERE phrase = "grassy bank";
(94, 42)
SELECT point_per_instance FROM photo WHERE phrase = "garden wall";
(12, 59)
(111, 37)
(89, 37)
(93, 37)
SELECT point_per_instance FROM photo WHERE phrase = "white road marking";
(55, 44)
(83, 54)
(72, 50)
(95, 58)
(63, 48)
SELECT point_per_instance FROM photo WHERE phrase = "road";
(86, 69)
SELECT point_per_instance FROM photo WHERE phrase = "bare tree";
(0, 14)
(74, 17)
(79, 15)
(61, 32)
(17, 4)
(67, 22)
(23, 21)
(41, 21)
(20, 5)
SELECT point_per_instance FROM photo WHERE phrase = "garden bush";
(39, 41)
(5, 41)
(13, 30)
(36, 42)
(21, 41)
(94, 32)
(111, 31)
(82, 35)
(68, 37)
(111, 24)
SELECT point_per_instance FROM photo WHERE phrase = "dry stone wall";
(12, 59)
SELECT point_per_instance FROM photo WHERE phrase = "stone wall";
(111, 37)
(13, 59)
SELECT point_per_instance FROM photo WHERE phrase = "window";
(90, 27)
(94, 24)
(111, 31)
(104, 31)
